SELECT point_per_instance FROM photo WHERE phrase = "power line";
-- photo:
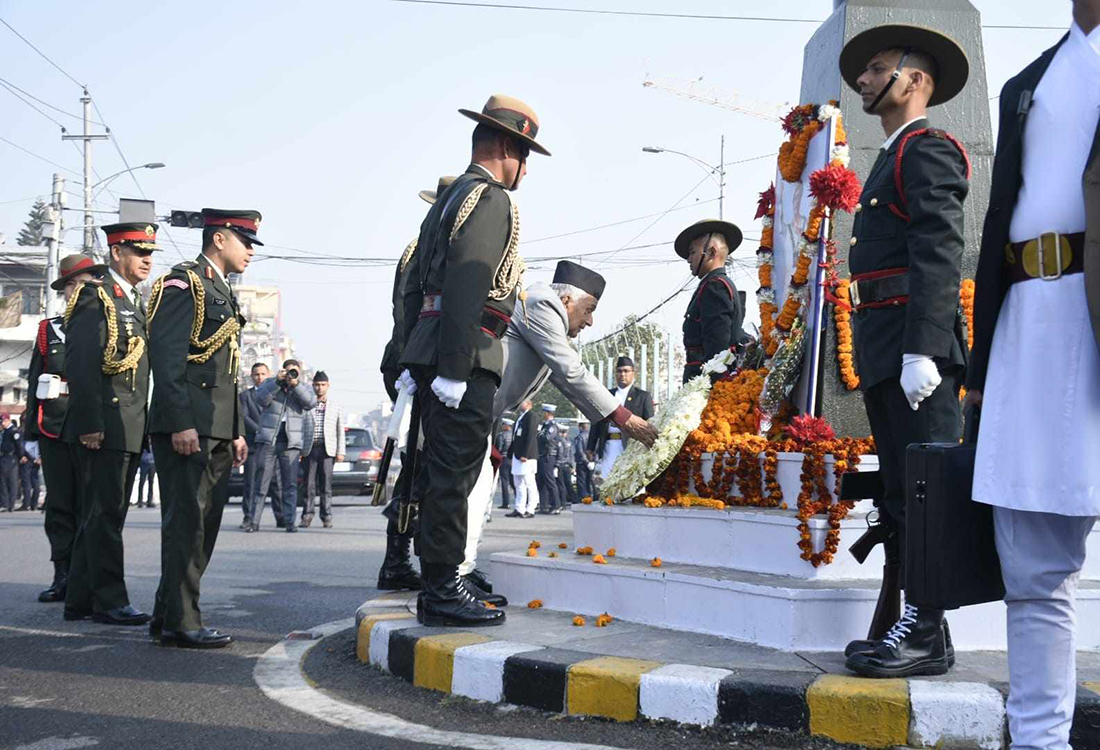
(41, 53)
(45, 103)
(36, 156)
(612, 224)
(690, 16)
(11, 91)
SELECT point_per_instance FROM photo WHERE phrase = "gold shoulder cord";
(226, 334)
(509, 272)
(407, 255)
(135, 350)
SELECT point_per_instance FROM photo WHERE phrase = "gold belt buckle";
(853, 293)
(1040, 251)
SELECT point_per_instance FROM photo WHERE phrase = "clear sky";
(329, 117)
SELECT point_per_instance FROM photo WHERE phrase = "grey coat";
(536, 347)
(296, 403)
(250, 413)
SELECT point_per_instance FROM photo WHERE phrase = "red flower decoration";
(806, 430)
(766, 205)
(797, 119)
(835, 187)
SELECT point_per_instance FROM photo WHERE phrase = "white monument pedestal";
(737, 573)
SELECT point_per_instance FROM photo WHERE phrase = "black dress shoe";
(201, 638)
(305, 522)
(73, 613)
(513, 514)
(279, 524)
(914, 646)
(856, 647)
(56, 591)
(481, 594)
(122, 616)
(481, 579)
(292, 529)
(528, 515)
(250, 528)
(156, 627)
(447, 602)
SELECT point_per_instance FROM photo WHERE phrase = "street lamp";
(710, 168)
(150, 165)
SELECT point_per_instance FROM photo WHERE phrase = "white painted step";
(781, 612)
(754, 540)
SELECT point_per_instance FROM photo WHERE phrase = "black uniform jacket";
(638, 402)
(549, 442)
(46, 418)
(192, 395)
(454, 340)
(930, 246)
(391, 357)
(712, 323)
(112, 404)
(525, 438)
(990, 284)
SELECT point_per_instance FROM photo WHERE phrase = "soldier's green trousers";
(192, 498)
(105, 479)
(62, 510)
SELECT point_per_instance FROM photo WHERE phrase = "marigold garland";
(966, 299)
(792, 154)
(845, 351)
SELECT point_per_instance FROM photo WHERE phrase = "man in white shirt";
(1035, 368)
(606, 441)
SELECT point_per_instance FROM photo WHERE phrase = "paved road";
(78, 684)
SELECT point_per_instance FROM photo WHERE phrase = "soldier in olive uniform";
(712, 323)
(906, 258)
(45, 417)
(107, 366)
(465, 279)
(397, 572)
(195, 422)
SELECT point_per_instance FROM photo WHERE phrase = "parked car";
(355, 475)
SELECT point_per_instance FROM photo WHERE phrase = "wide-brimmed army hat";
(71, 265)
(430, 196)
(511, 116)
(246, 223)
(708, 226)
(138, 234)
(952, 64)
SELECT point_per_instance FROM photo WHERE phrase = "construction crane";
(713, 96)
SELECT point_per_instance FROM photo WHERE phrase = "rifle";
(393, 433)
(409, 506)
(858, 485)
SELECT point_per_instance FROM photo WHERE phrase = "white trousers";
(478, 506)
(611, 451)
(1041, 558)
(523, 482)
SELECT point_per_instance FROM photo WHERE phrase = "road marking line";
(278, 674)
(60, 743)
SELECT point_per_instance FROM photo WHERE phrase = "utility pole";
(88, 137)
(722, 178)
(53, 243)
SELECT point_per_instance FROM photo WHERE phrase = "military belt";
(886, 288)
(493, 322)
(1048, 257)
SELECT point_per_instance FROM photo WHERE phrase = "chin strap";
(893, 79)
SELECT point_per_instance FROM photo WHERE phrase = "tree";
(31, 233)
(632, 334)
(549, 394)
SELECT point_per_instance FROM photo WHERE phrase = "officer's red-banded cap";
(139, 234)
(71, 265)
(245, 223)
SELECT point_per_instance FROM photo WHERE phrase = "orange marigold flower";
(489, 605)
(587, 500)
(584, 550)
(611, 552)
(532, 552)
(535, 544)
(599, 560)
(578, 621)
(534, 604)
(563, 545)
(553, 554)
(655, 562)
(603, 620)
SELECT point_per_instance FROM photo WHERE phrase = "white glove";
(450, 392)
(919, 378)
(406, 383)
(555, 472)
(591, 465)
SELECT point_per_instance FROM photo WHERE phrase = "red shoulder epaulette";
(903, 212)
(40, 341)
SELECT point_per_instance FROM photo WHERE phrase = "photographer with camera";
(283, 437)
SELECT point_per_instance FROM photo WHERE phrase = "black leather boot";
(56, 591)
(397, 572)
(857, 646)
(916, 645)
(446, 602)
(481, 579)
(481, 594)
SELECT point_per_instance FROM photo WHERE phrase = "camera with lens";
(292, 374)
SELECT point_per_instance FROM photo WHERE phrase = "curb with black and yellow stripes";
(873, 713)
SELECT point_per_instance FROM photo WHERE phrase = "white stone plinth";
(754, 540)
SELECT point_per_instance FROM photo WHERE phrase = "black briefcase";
(950, 555)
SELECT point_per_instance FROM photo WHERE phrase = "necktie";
(137, 298)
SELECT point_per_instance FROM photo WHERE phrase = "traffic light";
(189, 219)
